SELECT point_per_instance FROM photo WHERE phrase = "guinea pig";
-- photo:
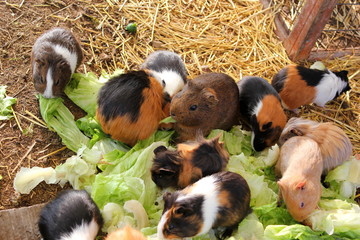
(209, 101)
(300, 164)
(260, 109)
(126, 233)
(191, 161)
(168, 68)
(334, 144)
(218, 200)
(131, 105)
(71, 215)
(298, 86)
(55, 55)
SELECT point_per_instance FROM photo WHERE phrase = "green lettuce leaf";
(6, 102)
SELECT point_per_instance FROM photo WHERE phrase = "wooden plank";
(329, 54)
(20, 223)
(308, 26)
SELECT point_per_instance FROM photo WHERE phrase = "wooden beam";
(331, 54)
(308, 27)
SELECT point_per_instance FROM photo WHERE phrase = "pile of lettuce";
(119, 180)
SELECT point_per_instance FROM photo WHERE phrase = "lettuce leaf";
(6, 102)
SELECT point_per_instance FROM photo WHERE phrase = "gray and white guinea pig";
(334, 144)
(131, 105)
(188, 163)
(55, 55)
(126, 233)
(298, 86)
(300, 164)
(168, 68)
(209, 101)
(218, 200)
(260, 109)
(72, 215)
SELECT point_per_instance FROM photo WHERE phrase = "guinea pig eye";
(163, 83)
(302, 204)
(171, 226)
(193, 107)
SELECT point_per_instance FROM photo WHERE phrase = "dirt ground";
(21, 22)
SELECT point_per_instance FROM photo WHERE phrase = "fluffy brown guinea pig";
(300, 165)
(131, 105)
(218, 200)
(126, 233)
(334, 144)
(191, 161)
(209, 101)
(55, 55)
(298, 86)
(260, 109)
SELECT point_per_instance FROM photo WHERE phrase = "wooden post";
(308, 27)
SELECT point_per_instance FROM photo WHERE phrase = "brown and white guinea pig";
(168, 68)
(131, 105)
(126, 233)
(191, 161)
(218, 200)
(55, 55)
(300, 165)
(298, 86)
(334, 144)
(260, 109)
(71, 215)
(209, 101)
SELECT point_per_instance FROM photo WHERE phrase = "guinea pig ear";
(210, 96)
(183, 211)
(160, 149)
(296, 132)
(166, 171)
(301, 185)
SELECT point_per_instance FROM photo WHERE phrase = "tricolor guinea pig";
(126, 233)
(298, 86)
(55, 55)
(260, 109)
(300, 164)
(334, 144)
(71, 215)
(191, 161)
(209, 101)
(168, 68)
(218, 200)
(131, 105)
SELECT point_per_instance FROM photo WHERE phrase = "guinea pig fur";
(218, 200)
(260, 108)
(131, 105)
(190, 162)
(55, 55)
(300, 164)
(334, 144)
(72, 215)
(298, 86)
(209, 101)
(168, 68)
(126, 233)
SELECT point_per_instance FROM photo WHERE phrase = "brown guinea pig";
(126, 233)
(55, 55)
(300, 164)
(260, 109)
(209, 101)
(298, 86)
(218, 200)
(334, 143)
(190, 162)
(131, 105)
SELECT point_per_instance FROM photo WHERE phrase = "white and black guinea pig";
(168, 68)
(191, 161)
(72, 215)
(131, 105)
(55, 55)
(218, 200)
(260, 109)
(298, 86)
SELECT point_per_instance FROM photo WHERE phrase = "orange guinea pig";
(300, 164)
(131, 105)
(126, 233)
(298, 86)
